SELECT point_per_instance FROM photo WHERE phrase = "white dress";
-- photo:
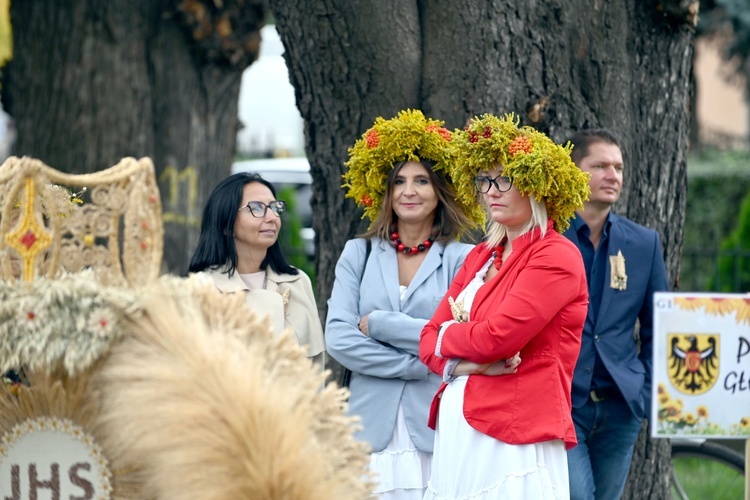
(470, 465)
(401, 469)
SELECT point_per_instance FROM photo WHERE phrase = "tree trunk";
(560, 65)
(92, 82)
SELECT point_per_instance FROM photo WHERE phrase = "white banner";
(701, 363)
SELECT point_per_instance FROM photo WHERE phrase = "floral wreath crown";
(532, 160)
(409, 136)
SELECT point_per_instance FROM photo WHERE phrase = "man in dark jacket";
(612, 379)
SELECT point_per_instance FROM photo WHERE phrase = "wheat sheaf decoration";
(203, 398)
(66, 323)
(56, 332)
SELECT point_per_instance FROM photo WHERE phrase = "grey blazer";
(385, 366)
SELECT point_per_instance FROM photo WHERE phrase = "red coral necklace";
(400, 247)
(498, 254)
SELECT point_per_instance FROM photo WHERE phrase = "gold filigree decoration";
(117, 231)
(30, 236)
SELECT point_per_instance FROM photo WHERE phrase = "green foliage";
(734, 260)
(290, 238)
(708, 162)
(703, 478)
(718, 181)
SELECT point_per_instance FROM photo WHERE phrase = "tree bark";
(92, 82)
(345, 74)
(560, 65)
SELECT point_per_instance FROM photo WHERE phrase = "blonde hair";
(496, 231)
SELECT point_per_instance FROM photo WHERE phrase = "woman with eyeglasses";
(521, 291)
(238, 250)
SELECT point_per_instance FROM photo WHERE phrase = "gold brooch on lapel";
(285, 298)
(457, 308)
(618, 278)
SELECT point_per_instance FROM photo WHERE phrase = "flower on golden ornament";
(372, 139)
(101, 322)
(520, 143)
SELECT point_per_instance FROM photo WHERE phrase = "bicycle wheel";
(701, 469)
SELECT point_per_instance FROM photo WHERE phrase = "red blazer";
(536, 304)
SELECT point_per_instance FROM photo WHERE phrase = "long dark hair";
(216, 243)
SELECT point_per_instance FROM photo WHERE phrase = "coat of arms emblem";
(693, 362)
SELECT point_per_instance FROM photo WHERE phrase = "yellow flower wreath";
(532, 160)
(408, 136)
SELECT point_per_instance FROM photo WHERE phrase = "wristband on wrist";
(441, 332)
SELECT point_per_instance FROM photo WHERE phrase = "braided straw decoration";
(117, 232)
(187, 392)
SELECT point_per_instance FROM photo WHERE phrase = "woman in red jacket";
(503, 427)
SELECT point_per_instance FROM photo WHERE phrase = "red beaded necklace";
(498, 254)
(400, 247)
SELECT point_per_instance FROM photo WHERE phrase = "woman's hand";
(363, 325)
(502, 367)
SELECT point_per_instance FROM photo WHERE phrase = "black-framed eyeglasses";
(502, 183)
(258, 208)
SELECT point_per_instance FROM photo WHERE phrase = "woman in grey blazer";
(389, 283)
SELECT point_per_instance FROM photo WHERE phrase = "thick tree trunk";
(92, 82)
(560, 65)
(345, 74)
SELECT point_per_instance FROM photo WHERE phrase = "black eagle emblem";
(693, 370)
